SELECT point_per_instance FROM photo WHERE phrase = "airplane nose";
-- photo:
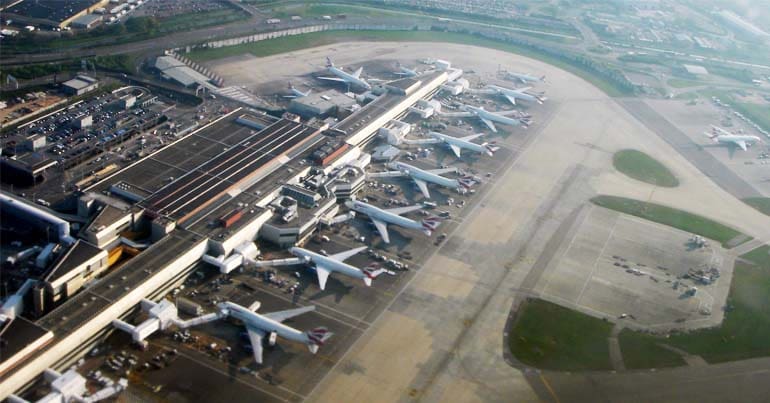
(349, 204)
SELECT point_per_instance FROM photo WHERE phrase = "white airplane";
(344, 77)
(295, 93)
(404, 71)
(513, 94)
(326, 265)
(270, 324)
(524, 78)
(722, 136)
(422, 177)
(490, 117)
(382, 217)
(457, 144)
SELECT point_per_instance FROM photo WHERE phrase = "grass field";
(642, 350)
(548, 336)
(642, 167)
(681, 83)
(760, 114)
(304, 41)
(669, 216)
(743, 334)
(760, 203)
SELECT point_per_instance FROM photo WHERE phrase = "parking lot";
(638, 273)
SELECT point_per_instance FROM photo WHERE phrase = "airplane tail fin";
(712, 136)
(370, 273)
(466, 182)
(542, 78)
(329, 62)
(430, 224)
(317, 337)
(491, 148)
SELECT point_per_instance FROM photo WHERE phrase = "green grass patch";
(680, 219)
(760, 203)
(304, 41)
(682, 83)
(642, 350)
(548, 336)
(642, 167)
(745, 331)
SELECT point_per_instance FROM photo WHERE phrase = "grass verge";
(760, 203)
(680, 219)
(642, 350)
(304, 41)
(743, 334)
(681, 83)
(548, 336)
(642, 167)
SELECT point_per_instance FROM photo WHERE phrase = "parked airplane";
(490, 117)
(513, 94)
(422, 177)
(345, 77)
(270, 324)
(325, 265)
(382, 217)
(457, 144)
(295, 93)
(722, 136)
(524, 78)
(404, 71)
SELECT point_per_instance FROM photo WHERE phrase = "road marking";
(549, 388)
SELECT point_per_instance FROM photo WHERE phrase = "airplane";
(513, 94)
(524, 78)
(722, 136)
(457, 144)
(344, 77)
(490, 117)
(326, 265)
(404, 71)
(270, 324)
(295, 93)
(422, 177)
(382, 217)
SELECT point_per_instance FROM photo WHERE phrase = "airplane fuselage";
(327, 262)
(383, 215)
(256, 321)
(483, 113)
(426, 176)
(349, 78)
(734, 139)
(514, 93)
(466, 145)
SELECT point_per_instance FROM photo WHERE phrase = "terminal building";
(241, 177)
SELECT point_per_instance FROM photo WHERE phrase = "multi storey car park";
(196, 189)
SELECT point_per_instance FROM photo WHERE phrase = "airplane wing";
(742, 145)
(721, 130)
(471, 137)
(358, 72)
(382, 228)
(455, 149)
(489, 124)
(404, 210)
(280, 316)
(442, 171)
(323, 275)
(255, 337)
(511, 99)
(340, 80)
(523, 89)
(342, 256)
(423, 187)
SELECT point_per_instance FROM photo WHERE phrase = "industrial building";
(323, 104)
(80, 85)
(210, 192)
